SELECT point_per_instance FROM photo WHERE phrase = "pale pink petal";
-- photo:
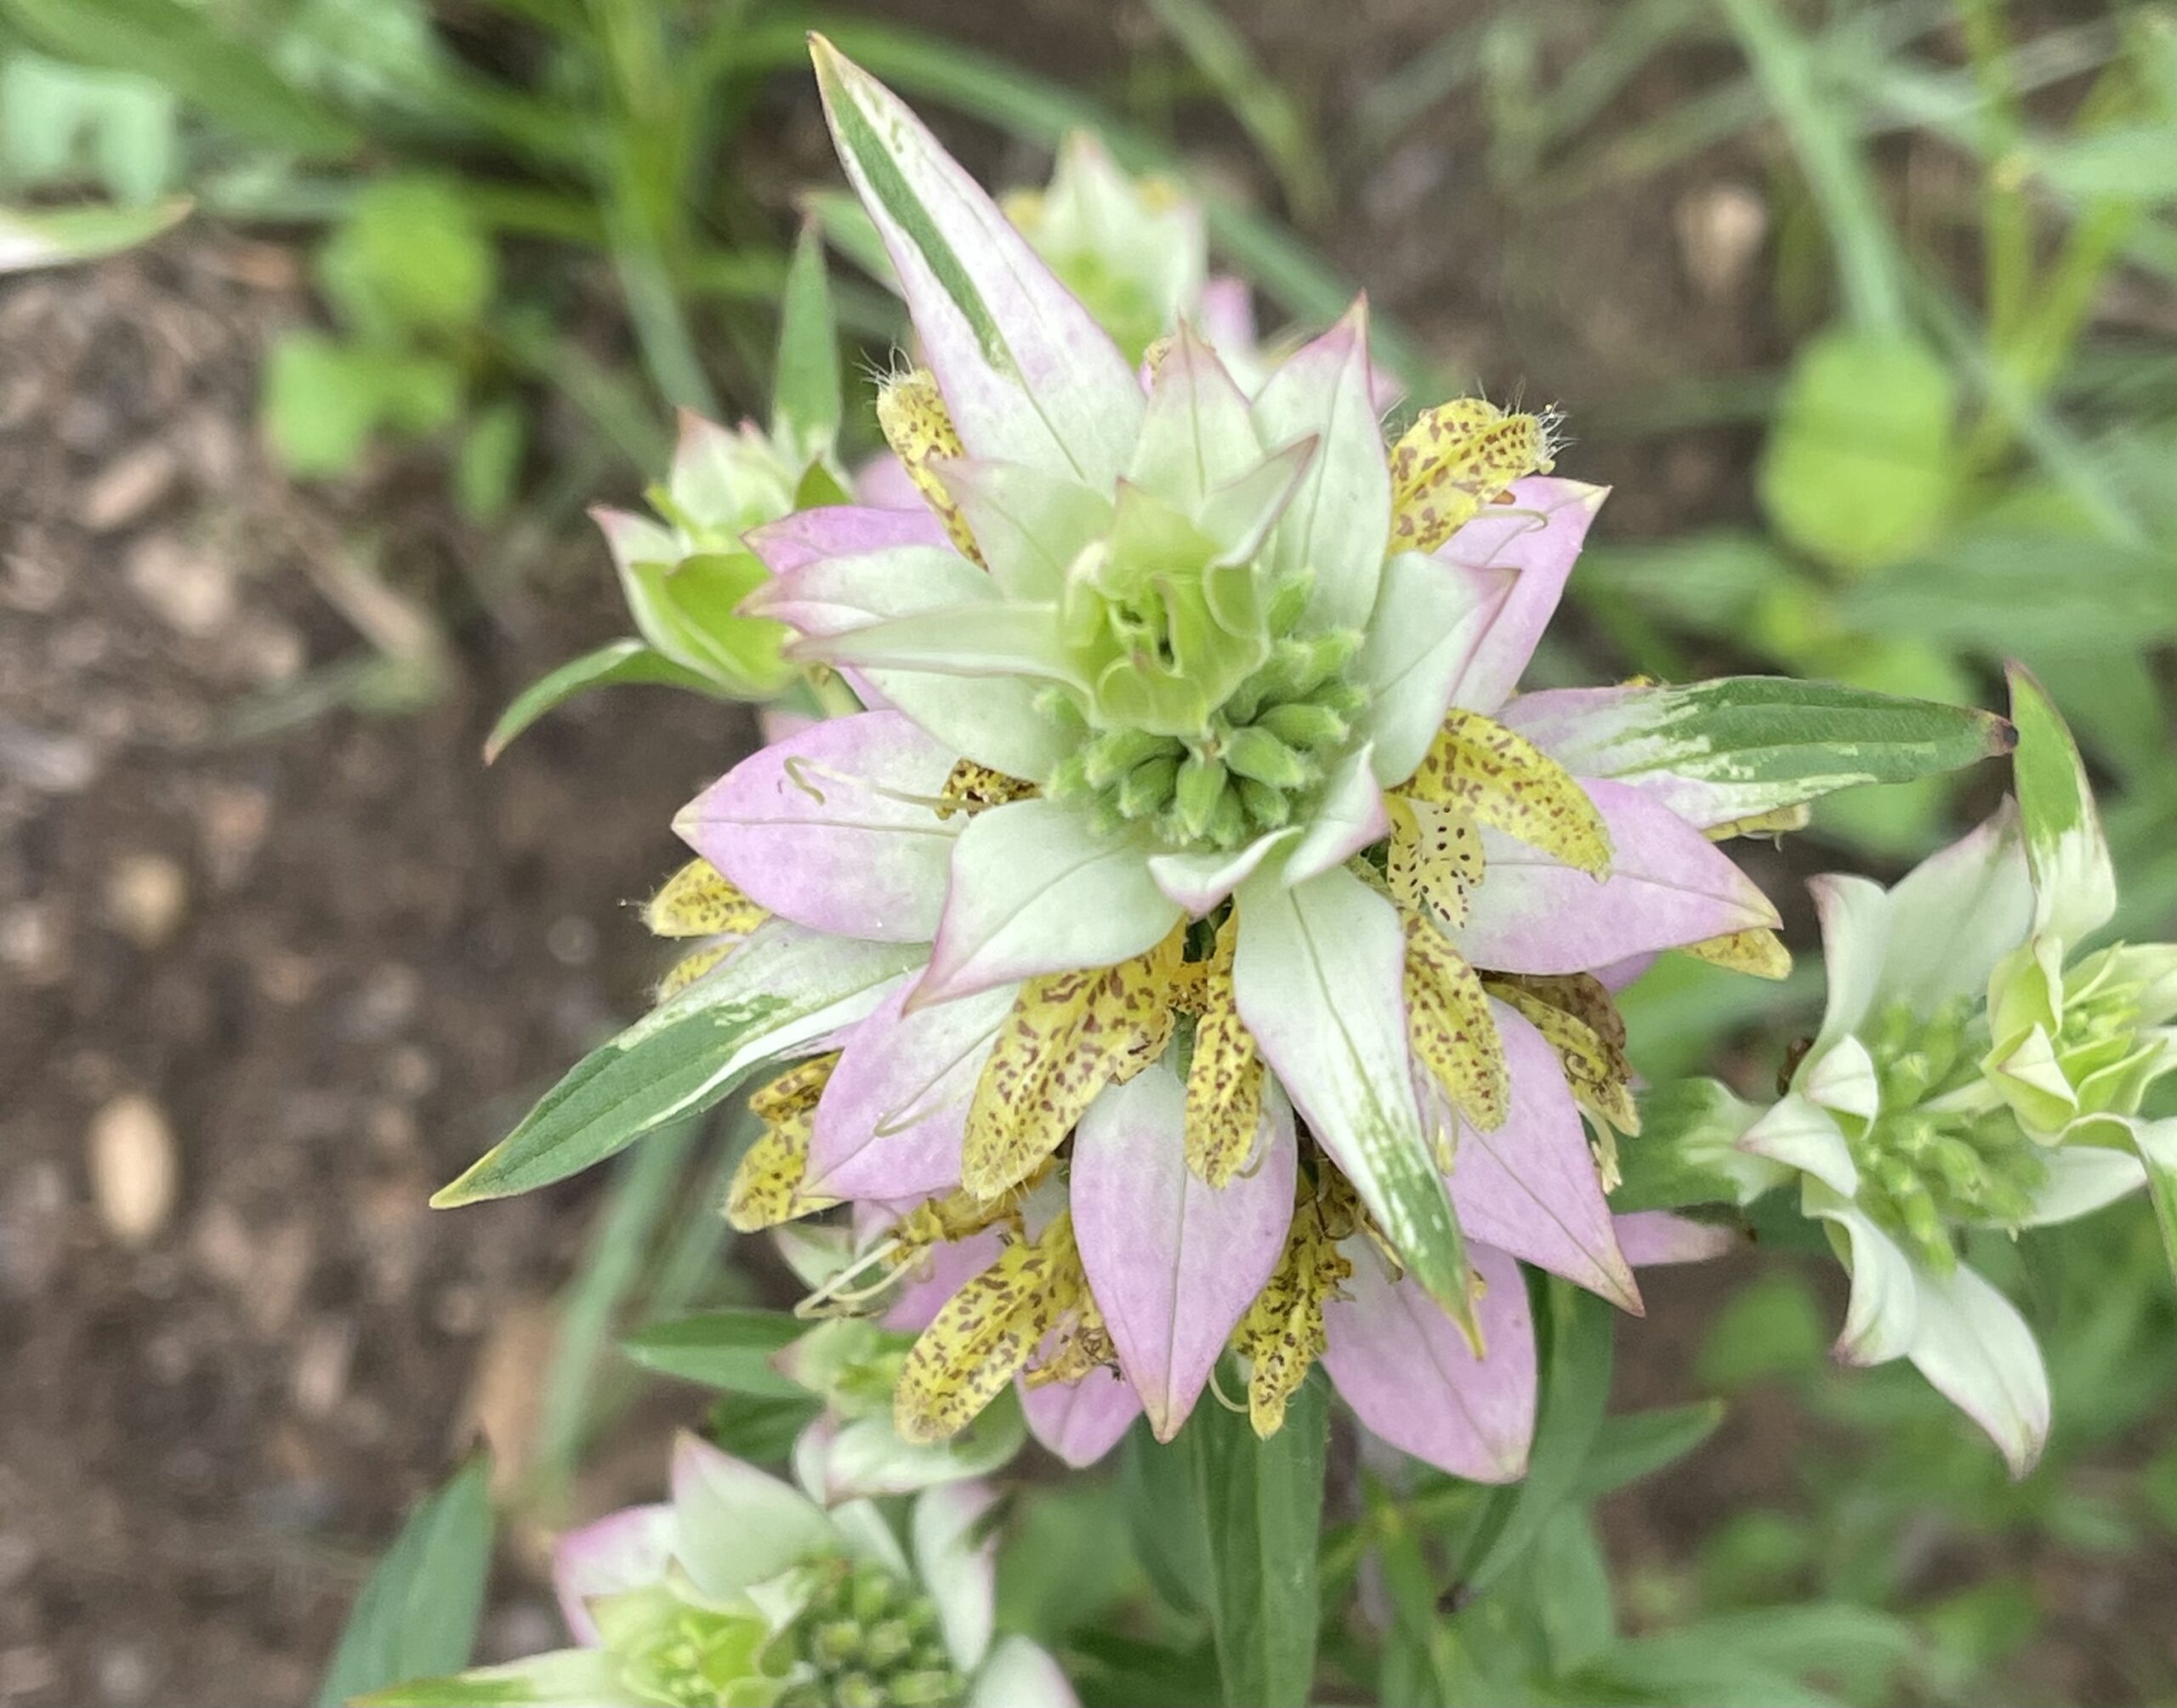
(1652, 1237)
(1226, 314)
(1082, 1421)
(841, 530)
(1350, 816)
(628, 1550)
(939, 1274)
(884, 482)
(1408, 1374)
(1539, 534)
(1174, 1263)
(895, 1109)
(1530, 1186)
(1198, 881)
(1668, 885)
(831, 829)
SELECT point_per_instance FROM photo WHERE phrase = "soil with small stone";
(273, 964)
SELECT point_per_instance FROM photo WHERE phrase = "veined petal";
(958, 1566)
(2074, 884)
(1030, 525)
(1338, 522)
(1539, 535)
(832, 828)
(735, 1525)
(1427, 624)
(833, 595)
(1652, 1237)
(1318, 976)
(1034, 890)
(1027, 372)
(1197, 433)
(1857, 916)
(893, 1115)
(1803, 1136)
(1668, 885)
(840, 530)
(1971, 1344)
(1882, 1321)
(997, 721)
(1173, 1263)
(1198, 881)
(985, 638)
(1081, 1422)
(1409, 1375)
(626, 1550)
(1955, 914)
(1020, 1674)
(1530, 1188)
(1351, 815)
(2083, 1178)
(1238, 516)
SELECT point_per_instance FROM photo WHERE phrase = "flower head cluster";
(1973, 1072)
(1234, 954)
(742, 1592)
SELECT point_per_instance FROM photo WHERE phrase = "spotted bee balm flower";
(744, 1592)
(1972, 1074)
(1195, 946)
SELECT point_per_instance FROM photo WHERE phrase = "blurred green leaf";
(321, 404)
(1667, 1165)
(805, 393)
(179, 47)
(1861, 465)
(1771, 1328)
(723, 1349)
(2134, 163)
(487, 464)
(618, 661)
(416, 1615)
(59, 122)
(32, 237)
(1264, 109)
(1755, 1556)
(411, 260)
(1572, 1595)
(762, 1430)
(1640, 1443)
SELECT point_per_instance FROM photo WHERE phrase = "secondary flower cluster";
(1264, 963)
(744, 1592)
(1972, 1073)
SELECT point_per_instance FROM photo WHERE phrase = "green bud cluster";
(692, 1657)
(1252, 769)
(2102, 1044)
(1926, 1166)
(867, 1639)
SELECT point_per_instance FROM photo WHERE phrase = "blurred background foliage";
(536, 227)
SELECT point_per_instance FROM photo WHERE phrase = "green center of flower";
(867, 1639)
(1926, 1168)
(671, 1651)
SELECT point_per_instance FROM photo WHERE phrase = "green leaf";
(1671, 1163)
(1642, 1443)
(2157, 1143)
(54, 236)
(1860, 469)
(618, 661)
(2136, 162)
(806, 391)
(782, 989)
(698, 600)
(1572, 1600)
(179, 47)
(730, 1350)
(2074, 882)
(488, 462)
(321, 404)
(417, 1613)
(1259, 1507)
(1740, 745)
(1771, 1330)
(1576, 1359)
(411, 259)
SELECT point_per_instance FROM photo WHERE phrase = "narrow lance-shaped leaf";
(2074, 884)
(784, 988)
(806, 389)
(416, 1613)
(53, 236)
(732, 1350)
(617, 662)
(1741, 746)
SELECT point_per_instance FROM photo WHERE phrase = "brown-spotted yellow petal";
(689, 968)
(986, 1333)
(766, 1188)
(1760, 952)
(1510, 785)
(1435, 859)
(915, 424)
(699, 900)
(1282, 1335)
(1577, 1014)
(1454, 459)
(1781, 822)
(1449, 1027)
(1224, 1110)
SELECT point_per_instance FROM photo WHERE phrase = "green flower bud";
(1198, 791)
(1305, 724)
(1255, 752)
(1146, 790)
